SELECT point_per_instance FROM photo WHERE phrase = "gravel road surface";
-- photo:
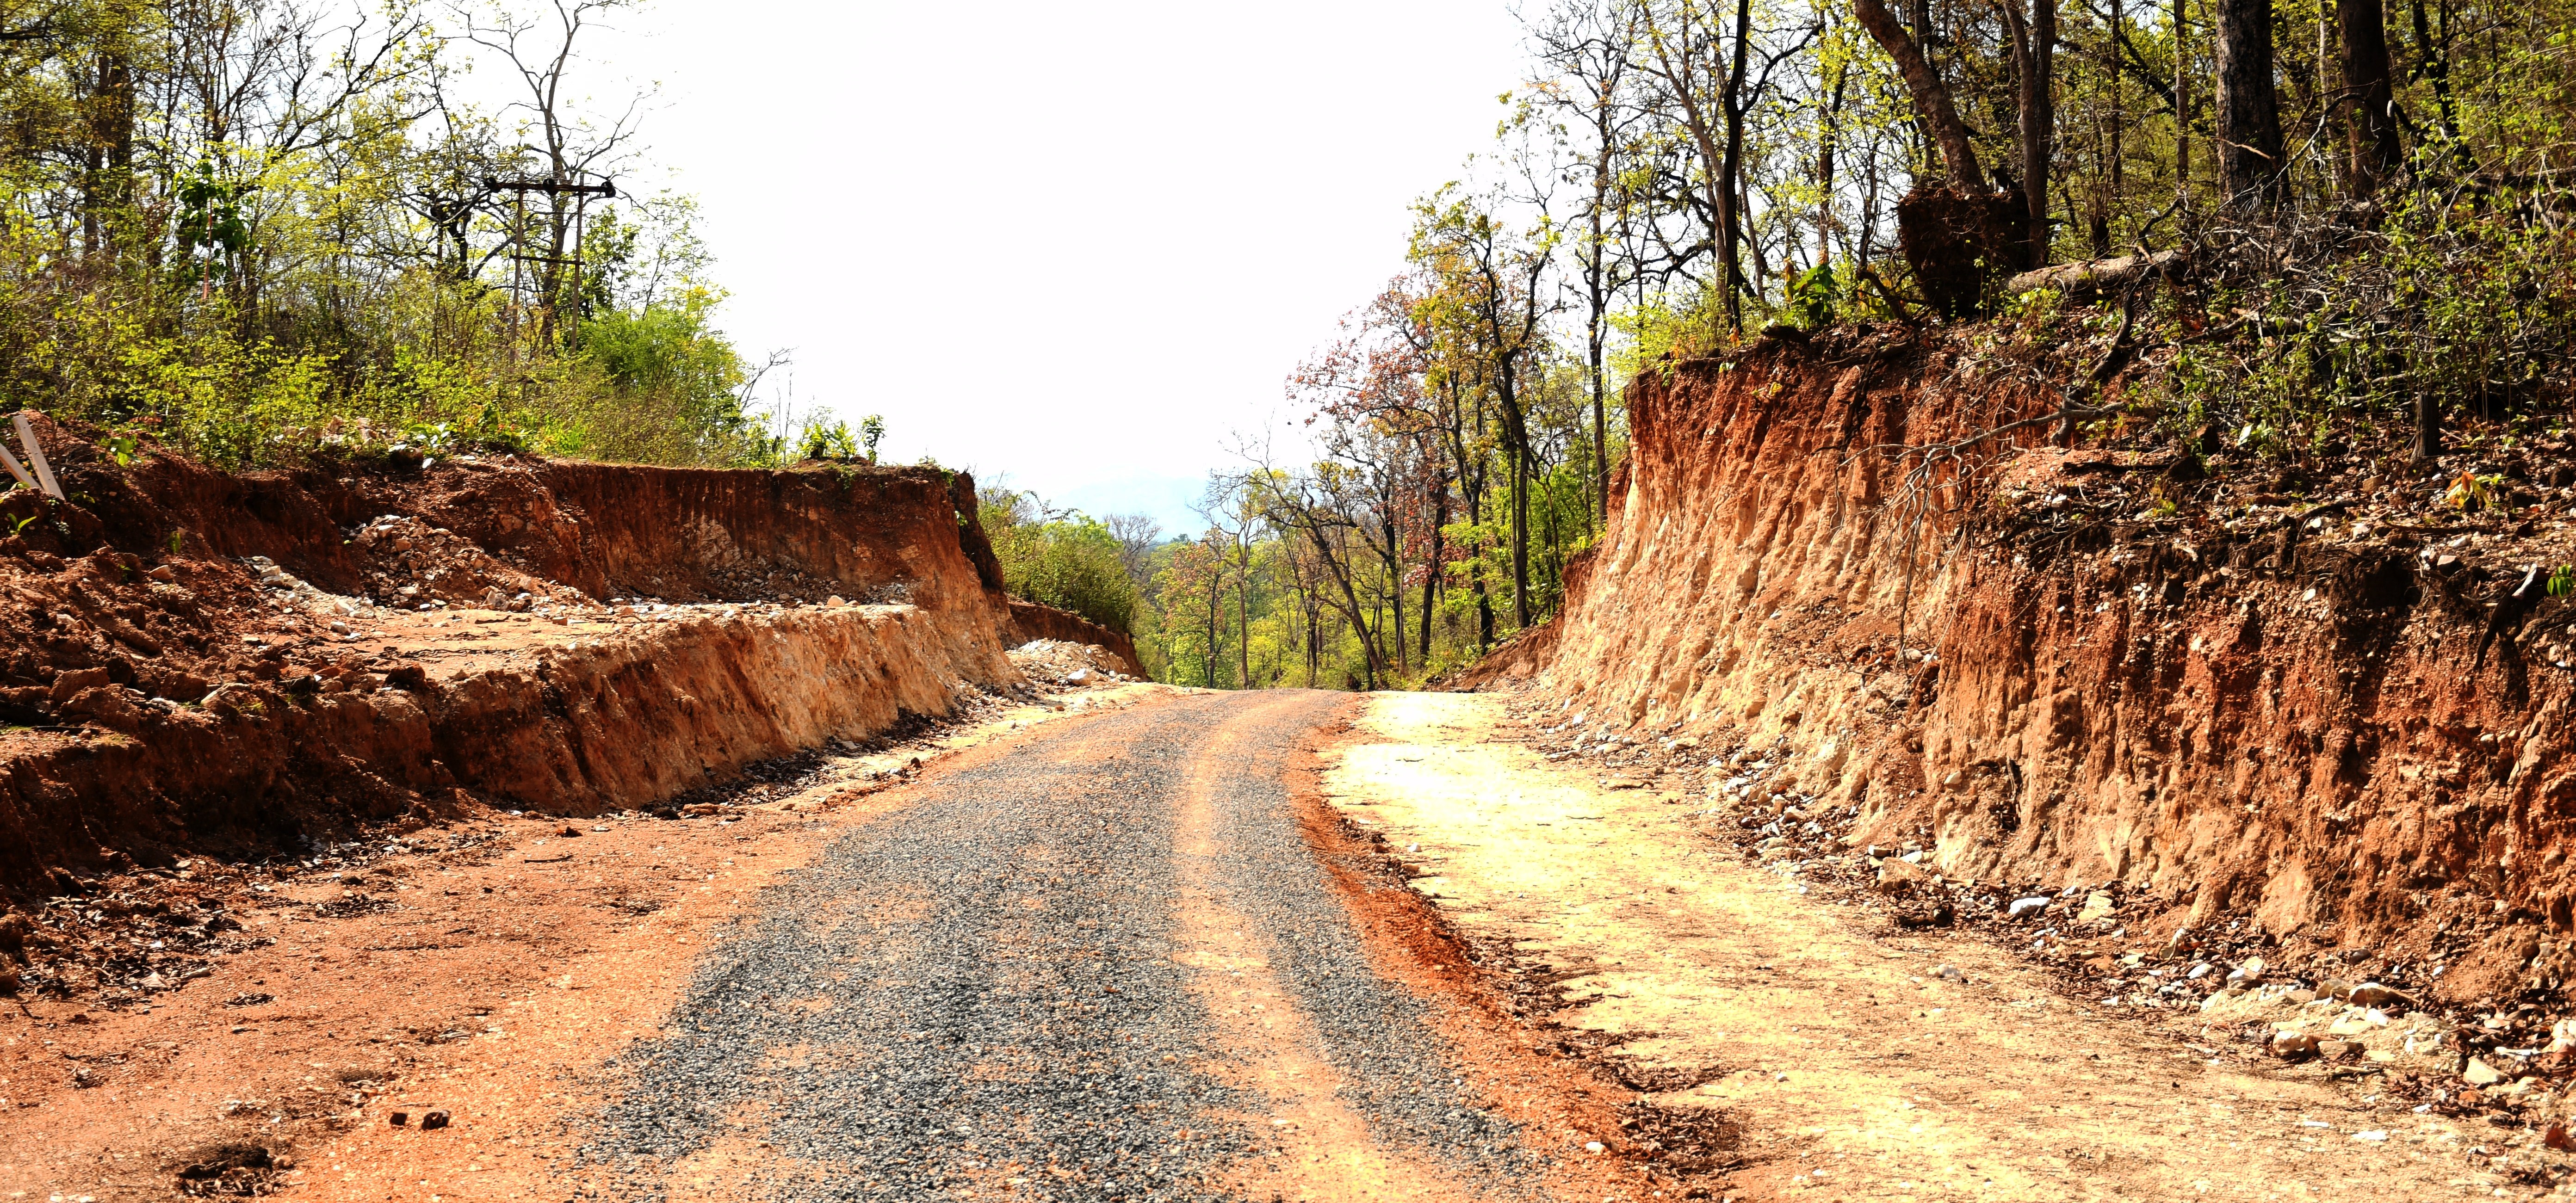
(1101, 963)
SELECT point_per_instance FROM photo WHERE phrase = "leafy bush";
(2457, 297)
(819, 441)
(1071, 563)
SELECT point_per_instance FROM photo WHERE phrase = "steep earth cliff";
(2232, 693)
(200, 662)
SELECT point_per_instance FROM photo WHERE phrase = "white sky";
(1080, 245)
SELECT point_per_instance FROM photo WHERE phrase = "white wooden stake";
(16, 469)
(36, 453)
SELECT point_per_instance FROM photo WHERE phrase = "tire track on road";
(1023, 984)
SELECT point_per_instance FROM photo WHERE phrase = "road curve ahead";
(1098, 964)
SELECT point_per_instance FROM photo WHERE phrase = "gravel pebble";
(980, 987)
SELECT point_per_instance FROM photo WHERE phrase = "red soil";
(2045, 678)
(251, 666)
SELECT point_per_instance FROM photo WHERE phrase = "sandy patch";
(1856, 1067)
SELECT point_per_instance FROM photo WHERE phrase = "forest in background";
(261, 231)
(2276, 226)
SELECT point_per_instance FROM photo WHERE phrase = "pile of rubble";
(1060, 663)
(411, 565)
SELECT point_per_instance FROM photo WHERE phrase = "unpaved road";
(1100, 959)
(1855, 1068)
(1139, 952)
(1103, 965)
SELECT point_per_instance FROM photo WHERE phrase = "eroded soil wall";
(2236, 709)
(622, 722)
(200, 662)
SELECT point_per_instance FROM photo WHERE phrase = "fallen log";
(2094, 275)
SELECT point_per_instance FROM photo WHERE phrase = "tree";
(1316, 506)
(2034, 51)
(542, 50)
(2250, 162)
(1233, 525)
(1588, 45)
(1932, 99)
(1137, 536)
(2370, 92)
(1681, 51)
(1486, 297)
(1193, 583)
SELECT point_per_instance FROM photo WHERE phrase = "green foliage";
(1666, 325)
(228, 239)
(1070, 562)
(2455, 300)
(1814, 297)
(836, 441)
(1190, 592)
(827, 442)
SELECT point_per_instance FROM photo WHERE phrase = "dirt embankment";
(198, 662)
(2257, 697)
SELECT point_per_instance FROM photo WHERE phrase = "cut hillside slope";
(2267, 702)
(237, 665)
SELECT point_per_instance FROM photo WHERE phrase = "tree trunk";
(1314, 623)
(1395, 594)
(2034, 60)
(1431, 576)
(1731, 215)
(1520, 541)
(2428, 428)
(2250, 157)
(1516, 446)
(1484, 613)
(1596, 314)
(1826, 137)
(2368, 88)
(108, 160)
(2182, 110)
(2116, 167)
(1216, 607)
(2436, 69)
(1931, 96)
(1471, 486)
